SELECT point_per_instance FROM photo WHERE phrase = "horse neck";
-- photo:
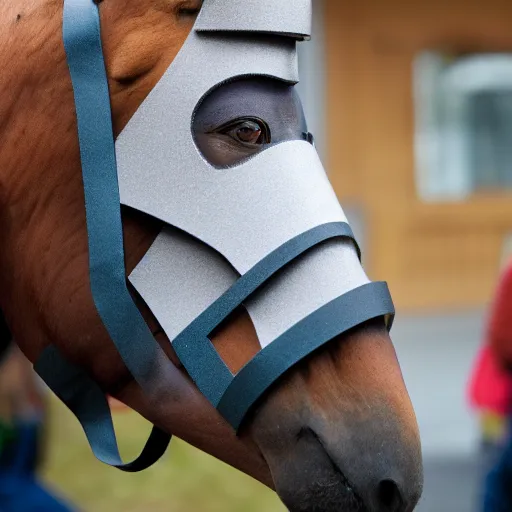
(40, 182)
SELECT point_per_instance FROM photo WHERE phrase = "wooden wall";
(432, 255)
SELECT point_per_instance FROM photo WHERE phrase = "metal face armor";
(263, 231)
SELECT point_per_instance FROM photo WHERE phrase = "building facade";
(412, 101)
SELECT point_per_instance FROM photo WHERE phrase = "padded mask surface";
(180, 277)
(243, 212)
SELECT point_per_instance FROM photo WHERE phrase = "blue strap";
(365, 303)
(234, 395)
(194, 348)
(88, 403)
(140, 352)
(121, 317)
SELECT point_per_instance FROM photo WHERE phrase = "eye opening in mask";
(241, 117)
(249, 131)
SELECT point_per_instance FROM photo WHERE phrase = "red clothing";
(500, 322)
(490, 387)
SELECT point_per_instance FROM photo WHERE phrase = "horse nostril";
(389, 497)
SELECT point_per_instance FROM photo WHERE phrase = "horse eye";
(248, 131)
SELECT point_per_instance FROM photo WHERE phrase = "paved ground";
(436, 352)
(451, 485)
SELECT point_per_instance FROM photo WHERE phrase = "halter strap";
(140, 352)
(90, 406)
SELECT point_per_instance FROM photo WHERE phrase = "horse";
(336, 432)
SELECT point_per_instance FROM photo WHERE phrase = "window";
(463, 119)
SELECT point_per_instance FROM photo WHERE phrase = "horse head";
(335, 430)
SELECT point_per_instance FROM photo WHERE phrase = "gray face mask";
(237, 215)
(261, 229)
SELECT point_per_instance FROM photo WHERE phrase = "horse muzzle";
(337, 436)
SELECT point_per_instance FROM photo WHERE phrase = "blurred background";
(411, 106)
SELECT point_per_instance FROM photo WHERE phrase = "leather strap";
(351, 309)
(88, 403)
(194, 348)
(140, 352)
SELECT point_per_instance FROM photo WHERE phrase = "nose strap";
(234, 395)
(193, 346)
(338, 316)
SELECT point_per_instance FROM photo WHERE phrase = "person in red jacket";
(490, 386)
(491, 392)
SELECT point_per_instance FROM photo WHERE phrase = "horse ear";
(5, 337)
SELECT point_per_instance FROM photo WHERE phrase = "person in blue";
(21, 427)
(498, 483)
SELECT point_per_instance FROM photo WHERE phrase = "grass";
(185, 480)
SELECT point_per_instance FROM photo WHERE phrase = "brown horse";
(338, 432)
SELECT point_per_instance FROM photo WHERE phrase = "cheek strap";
(140, 352)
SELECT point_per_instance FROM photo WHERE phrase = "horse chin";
(344, 436)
